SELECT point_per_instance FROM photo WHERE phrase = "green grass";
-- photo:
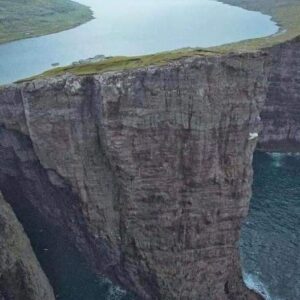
(286, 13)
(125, 63)
(21, 19)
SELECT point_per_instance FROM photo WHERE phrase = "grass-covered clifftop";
(21, 19)
(124, 63)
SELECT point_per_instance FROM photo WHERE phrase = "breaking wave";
(253, 283)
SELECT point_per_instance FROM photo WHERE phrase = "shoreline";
(118, 62)
(47, 33)
(80, 15)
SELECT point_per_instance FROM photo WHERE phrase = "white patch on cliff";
(252, 136)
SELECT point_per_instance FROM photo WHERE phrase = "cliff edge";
(148, 170)
(145, 162)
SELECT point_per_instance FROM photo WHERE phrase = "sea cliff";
(148, 170)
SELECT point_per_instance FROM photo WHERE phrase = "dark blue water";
(67, 270)
(270, 240)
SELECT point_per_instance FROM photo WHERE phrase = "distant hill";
(265, 6)
(27, 18)
(284, 12)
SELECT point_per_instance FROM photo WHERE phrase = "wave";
(253, 283)
(114, 292)
(278, 157)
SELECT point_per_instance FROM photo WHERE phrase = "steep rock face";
(281, 112)
(21, 276)
(148, 171)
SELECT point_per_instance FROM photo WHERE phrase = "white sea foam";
(253, 283)
(277, 157)
(114, 292)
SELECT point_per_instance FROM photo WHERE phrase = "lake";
(134, 27)
(270, 239)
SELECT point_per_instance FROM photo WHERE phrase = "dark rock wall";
(149, 171)
(21, 276)
(281, 113)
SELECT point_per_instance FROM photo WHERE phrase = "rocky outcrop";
(148, 171)
(281, 112)
(21, 276)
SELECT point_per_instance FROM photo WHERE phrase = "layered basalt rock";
(148, 170)
(21, 276)
(281, 112)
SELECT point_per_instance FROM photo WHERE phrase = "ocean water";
(270, 238)
(66, 269)
(134, 27)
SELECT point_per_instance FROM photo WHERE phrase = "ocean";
(270, 238)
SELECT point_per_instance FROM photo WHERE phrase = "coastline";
(47, 33)
(73, 15)
(254, 284)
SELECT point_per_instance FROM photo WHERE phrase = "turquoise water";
(134, 27)
(270, 240)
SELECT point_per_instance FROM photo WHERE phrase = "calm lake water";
(134, 27)
(270, 240)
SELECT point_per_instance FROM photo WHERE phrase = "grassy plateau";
(21, 19)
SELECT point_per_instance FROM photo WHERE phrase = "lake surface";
(270, 240)
(134, 27)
